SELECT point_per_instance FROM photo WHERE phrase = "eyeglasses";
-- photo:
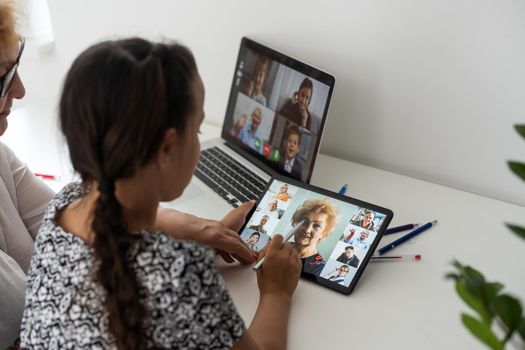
(7, 79)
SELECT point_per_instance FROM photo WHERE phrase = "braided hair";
(118, 99)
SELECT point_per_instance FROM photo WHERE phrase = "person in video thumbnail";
(239, 124)
(338, 275)
(248, 134)
(296, 108)
(255, 86)
(283, 195)
(260, 227)
(366, 221)
(289, 161)
(320, 217)
(359, 242)
(274, 210)
(252, 241)
(348, 257)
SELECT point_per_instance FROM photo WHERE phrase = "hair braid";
(118, 99)
(123, 303)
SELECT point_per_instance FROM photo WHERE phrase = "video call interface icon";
(277, 111)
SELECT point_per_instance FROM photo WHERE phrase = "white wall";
(425, 88)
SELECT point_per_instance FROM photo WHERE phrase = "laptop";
(274, 123)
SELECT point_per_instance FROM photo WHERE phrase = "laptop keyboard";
(229, 178)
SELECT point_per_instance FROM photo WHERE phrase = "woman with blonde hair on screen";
(320, 216)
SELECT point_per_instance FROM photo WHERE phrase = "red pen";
(47, 176)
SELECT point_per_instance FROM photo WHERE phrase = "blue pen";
(405, 238)
(342, 190)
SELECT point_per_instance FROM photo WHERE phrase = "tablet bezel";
(317, 279)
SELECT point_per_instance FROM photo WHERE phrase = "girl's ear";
(167, 148)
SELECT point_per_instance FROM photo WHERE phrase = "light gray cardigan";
(23, 200)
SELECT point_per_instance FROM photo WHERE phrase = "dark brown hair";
(307, 84)
(118, 99)
(293, 130)
(261, 62)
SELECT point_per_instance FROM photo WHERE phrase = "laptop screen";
(277, 109)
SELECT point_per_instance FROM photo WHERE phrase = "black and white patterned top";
(187, 301)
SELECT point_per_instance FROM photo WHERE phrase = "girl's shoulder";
(66, 195)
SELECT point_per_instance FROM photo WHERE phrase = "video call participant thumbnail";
(260, 226)
(255, 86)
(338, 274)
(289, 161)
(359, 242)
(296, 110)
(252, 241)
(274, 210)
(320, 216)
(249, 133)
(283, 194)
(347, 257)
(366, 220)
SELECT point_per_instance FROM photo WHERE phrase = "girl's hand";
(281, 269)
(221, 235)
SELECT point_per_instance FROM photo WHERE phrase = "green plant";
(487, 298)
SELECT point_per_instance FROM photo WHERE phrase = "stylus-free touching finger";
(276, 242)
(240, 249)
(290, 248)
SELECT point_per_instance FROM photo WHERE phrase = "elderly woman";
(320, 217)
(23, 197)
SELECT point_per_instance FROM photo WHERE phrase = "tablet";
(339, 233)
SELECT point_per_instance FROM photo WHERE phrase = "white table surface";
(396, 305)
(400, 305)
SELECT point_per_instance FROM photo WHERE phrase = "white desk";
(396, 305)
(400, 305)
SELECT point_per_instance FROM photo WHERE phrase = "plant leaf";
(473, 301)
(492, 290)
(452, 276)
(509, 311)
(475, 291)
(481, 331)
(479, 287)
(457, 265)
(521, 329)
(473, 275)
(520, 129)
(520, 231)
(518, 168)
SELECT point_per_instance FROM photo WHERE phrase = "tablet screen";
(338, 236)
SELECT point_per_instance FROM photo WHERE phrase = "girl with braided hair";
(102, 274)
(24, 197)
